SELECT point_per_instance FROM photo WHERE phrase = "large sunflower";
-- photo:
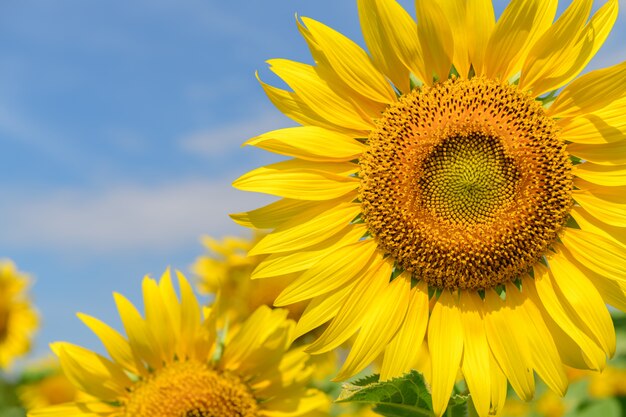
(173, 363)
(443, 192)
(18, 319)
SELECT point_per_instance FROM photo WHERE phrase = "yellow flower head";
(226, 269)
(173, 363)
(442, 190)
(611, 382)
(18, 319)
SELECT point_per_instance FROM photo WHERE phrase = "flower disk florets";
(192, 389)
(466, 183)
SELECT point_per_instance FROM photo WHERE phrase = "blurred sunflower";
(225, 269)
(45, 385)
(18, 319)
(172, 363)
(611, 382)
(442, 189)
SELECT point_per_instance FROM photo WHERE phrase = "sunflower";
(45, 385)
(460, 186)
(18, 319)
(225, 269)
(172, 363)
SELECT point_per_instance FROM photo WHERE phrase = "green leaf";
(406, 396)
(609, 407)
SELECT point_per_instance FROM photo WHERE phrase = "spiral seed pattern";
(466, 183)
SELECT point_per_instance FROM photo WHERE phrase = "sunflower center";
(466, 183)
(191, 389)
(467, 179)
(4, 323)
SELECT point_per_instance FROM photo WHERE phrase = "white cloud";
(216, 142)
(125, 217)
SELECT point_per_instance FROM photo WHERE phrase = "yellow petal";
(445, 343)
(316, 94)
(321, 309)
(274, 214)
(588, 223)
(115, 344)
(265, 358)
(310, 143)
(544, 68)
(297, 234)
(597, 253)
(475, 352)
(296, 406)
(287, 263)
(499, 387)
(456, 13)
(601, 174)
(479, 26)
(368, 108)
(391, 37)
(350, 316)
(140, 338)
(606, 211)
(510, 349)
(252, 335)
(78, 409)
(400, 353)
(190, 316)
(586, 46)
(612, 292)
(291, 181)
(158, 319)
(603, 154)
(351, 63)
(171, 304)
(519, 26)
(543, 351)
(583, 301)
(293, 107)
(337, 268)
(590, 92)
(591, 129)
(436, 40)
(380, 324)
(542, 293)
(614, 194)
(93, 373)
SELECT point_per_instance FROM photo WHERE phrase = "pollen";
(191, 389)
(466, 184)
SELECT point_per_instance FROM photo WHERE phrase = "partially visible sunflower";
(611, 382)
(226, 269)
(173, 363)
(458, 185)
(46, 385)
(18, 319)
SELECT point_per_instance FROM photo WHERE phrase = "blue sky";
(120, 127)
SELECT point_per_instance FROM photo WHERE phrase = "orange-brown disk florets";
(191, 389)
(466, 183)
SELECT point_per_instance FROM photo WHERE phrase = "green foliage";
(9, 403)
(406, 396)
(609, 407)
